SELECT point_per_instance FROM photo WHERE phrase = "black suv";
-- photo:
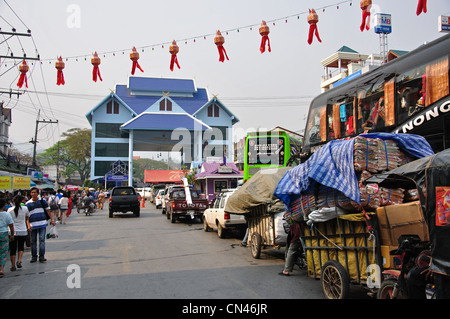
(124, 199)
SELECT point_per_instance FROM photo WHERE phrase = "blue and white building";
(158, 114)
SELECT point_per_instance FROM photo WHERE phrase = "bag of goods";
(388, 155)
(326, 197)
(365, 154)
(391, 196)
(347, 204)
(301, 207)
(370, 202)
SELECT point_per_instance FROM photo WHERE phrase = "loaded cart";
(341, 251)
(263, 212)
(265, 228)
(328, 193)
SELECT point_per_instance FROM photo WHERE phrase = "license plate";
(191, 212)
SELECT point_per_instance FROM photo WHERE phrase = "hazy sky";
(262, 90)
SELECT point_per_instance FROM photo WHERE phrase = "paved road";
(148, 257)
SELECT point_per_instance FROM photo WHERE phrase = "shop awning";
(163, 176)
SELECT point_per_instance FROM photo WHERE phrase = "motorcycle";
(413, 254)
(89, 209)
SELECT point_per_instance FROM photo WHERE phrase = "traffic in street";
(149, 257)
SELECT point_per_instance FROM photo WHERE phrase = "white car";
(158, 198)
(215, 217)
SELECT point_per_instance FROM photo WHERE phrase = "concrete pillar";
(130, 157)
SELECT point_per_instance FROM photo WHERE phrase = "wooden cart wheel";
(255, 245)
(335, 280)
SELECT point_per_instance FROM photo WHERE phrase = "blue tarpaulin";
(332, 166)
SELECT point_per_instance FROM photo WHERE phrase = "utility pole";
(35, 135)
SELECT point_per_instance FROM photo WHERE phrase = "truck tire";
(173, 218)
(137, 212)
(111, 215)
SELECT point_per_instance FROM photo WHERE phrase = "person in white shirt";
(63, 207)
(19, 214)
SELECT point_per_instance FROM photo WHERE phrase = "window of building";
(102, 167)
(112, 107)
(109, 130)
(165, 105)
(213, 111)
(111, 149)
(219, 185)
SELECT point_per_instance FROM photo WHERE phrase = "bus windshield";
(266, 150)
(269, 149)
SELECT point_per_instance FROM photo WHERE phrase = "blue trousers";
(34, 238)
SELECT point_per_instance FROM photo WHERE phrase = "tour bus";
(268, 150)
(409, 94)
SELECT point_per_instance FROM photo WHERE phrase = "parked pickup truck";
(124, 199)
(215, 217)
(177, 205)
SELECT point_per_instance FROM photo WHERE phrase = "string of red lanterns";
(219, 40)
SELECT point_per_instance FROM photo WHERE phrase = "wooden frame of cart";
(261, 230)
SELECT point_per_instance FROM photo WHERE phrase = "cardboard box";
(401, 219)
(389, 262)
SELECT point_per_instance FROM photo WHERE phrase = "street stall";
(429, 177)
(327, 194)
(263, 212)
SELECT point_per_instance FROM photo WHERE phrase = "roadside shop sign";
(21, 182)
(5, 182)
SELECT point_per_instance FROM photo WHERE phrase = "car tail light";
(226, 216)
(173, 205)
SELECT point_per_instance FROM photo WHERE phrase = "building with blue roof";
(158, 114)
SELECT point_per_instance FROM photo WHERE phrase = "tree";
(74, 153)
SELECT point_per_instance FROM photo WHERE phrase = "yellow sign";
(5, 182)
(21, 182)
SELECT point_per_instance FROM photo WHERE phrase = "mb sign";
(383, 23)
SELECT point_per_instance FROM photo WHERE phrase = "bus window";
(371, 107)
(410, 92)
(436, 81)
(313, 127)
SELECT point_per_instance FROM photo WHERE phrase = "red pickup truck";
(177, 205)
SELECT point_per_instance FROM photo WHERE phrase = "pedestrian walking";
(6, 222)
(293, 249)
(63, 207)
(38, 223)
(53, 202)
(20, 215)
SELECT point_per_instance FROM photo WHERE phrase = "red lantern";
(174, 49)
(23, 68)
(219, 40)
(365, 5)
(134, 56)
(96, 71)
(59, 65)
(313, 18)
(421, 7)
(264, 31)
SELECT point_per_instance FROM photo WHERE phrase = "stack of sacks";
(365, 154)
(376, 155)
(391, 196)
(301, 208)
(388, 155)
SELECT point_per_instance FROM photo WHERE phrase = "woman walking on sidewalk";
(19, 214)
(6, 222)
